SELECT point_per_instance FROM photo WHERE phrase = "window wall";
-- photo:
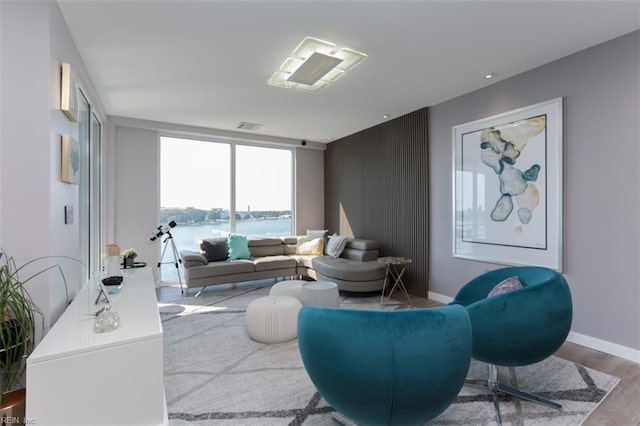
(90, 205)
(211, 189)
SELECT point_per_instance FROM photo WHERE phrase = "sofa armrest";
(192, 258)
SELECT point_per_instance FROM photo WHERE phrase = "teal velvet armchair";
(400, 367)
(519, 327)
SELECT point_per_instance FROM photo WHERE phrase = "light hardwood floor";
(620, 408)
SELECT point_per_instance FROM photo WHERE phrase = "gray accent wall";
(600, 87)
(376, 187)
(309, 190)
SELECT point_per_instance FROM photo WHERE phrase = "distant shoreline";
(257, 219)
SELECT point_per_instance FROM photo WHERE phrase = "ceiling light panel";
(279, 79)
(318, 86)
(350, 58)
(314, 68)
(315, 64)
(291, 64)
(310, 45)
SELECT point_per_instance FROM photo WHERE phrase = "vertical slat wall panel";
(376, 187)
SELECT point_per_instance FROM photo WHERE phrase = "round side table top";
(394, 260)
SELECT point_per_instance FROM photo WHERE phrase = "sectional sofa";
(355, 270)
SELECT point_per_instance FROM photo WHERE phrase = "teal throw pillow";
(238, 247)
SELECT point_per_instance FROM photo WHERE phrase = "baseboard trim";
(611, 348)
(605, 346)
(439, 297)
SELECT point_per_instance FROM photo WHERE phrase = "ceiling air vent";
(248, 126)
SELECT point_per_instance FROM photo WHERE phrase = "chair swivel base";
(495, 387)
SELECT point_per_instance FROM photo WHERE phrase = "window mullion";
(232, 193)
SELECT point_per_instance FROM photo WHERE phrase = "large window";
(90, 205)
(211, 189)
(263, 191)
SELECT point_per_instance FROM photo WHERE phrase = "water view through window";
(197, 192)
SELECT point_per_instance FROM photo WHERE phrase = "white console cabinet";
(78, 377)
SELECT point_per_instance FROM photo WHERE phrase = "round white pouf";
(291, 288)
(273, 319)
(320, 293)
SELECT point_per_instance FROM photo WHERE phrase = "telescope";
(166, 230)
(161, 230)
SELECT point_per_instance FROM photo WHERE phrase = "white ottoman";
(291, 288)
(320, 293)
(273, 319)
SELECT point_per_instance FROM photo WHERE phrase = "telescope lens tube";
(161, 230)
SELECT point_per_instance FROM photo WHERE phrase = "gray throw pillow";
(215, 249)
(508, 284)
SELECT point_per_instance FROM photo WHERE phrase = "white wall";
(134, 191)
(137, 196)
(25, 228)
(34, 41)
(601, 88)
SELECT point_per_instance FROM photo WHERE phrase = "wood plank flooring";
(620, 408)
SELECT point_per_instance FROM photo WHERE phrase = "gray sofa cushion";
(290, 244)
(265, 247)
(221, 268)
(289, 240)
(348, 270)
(304, 260)
(215, 249)
(273, 262)
(360, 244)
(260, 242)
(192, 258)
(360, 255)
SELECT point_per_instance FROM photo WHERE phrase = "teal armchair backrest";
(386, 367)
(520, 327)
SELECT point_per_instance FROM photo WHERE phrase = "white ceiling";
(206, 63)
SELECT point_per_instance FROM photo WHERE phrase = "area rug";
(216, 375)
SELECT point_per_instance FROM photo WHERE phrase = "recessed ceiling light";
(490, 75)
(329, 139)
(385, 116)
(315, 64)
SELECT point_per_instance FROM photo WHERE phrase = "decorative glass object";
(106, 321)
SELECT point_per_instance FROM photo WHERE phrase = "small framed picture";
(69, 93)
(70, 172)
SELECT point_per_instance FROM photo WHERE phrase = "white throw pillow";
(336, 245)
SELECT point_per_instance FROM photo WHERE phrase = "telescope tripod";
(168, 241)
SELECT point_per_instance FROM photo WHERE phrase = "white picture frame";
(507, 187)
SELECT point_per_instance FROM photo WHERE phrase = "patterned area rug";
(216, 375)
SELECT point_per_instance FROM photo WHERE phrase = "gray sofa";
(355, 270)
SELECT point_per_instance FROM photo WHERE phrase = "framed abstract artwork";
(70, 171)
(507, 187)
(69, 93)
